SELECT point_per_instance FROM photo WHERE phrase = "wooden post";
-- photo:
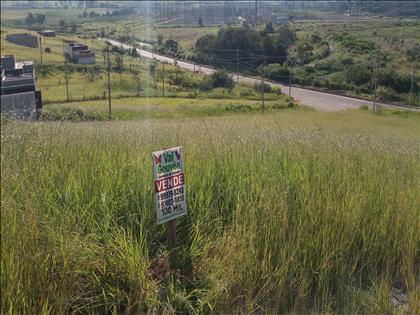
(290, 81)
(109, 83)
(172, 245)
(237, 66)
(163, 78)
(40, 46)
(67, 80)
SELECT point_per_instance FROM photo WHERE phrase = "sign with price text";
(169, 184)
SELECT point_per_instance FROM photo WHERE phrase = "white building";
(79, 53)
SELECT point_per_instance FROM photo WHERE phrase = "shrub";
(183, 79)
(275, 72)
(346, 60)
(68, 114)
(357, 74)
(315, 38)
(386, 94)
(261, 86)
(47, 49)
(221, 78)
(237, 108)
(205, 84)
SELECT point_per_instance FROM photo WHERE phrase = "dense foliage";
(257, 47)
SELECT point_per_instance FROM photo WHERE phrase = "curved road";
(318, 100)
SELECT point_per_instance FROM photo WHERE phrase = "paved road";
(318, 100)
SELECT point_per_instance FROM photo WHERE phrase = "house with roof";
(78, 53)
(19, 96)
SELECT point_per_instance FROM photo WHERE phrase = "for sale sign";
(169, 184)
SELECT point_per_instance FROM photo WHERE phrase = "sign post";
(168, 169)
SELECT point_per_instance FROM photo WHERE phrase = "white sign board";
(169, 184)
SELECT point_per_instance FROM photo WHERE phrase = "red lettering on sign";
(169, 182)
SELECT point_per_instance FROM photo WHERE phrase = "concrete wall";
(86, 60)
(19, 105)
(23, 39)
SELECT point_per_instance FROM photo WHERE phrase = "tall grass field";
(291, 212)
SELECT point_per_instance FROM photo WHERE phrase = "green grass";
(288, 212)
(160, 107)
(55, 43)
(52, 16)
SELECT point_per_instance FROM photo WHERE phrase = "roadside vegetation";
(338, 60)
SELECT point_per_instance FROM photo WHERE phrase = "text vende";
(170, 182)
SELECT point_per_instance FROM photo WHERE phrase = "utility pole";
(237, 66)
(256, 12)
(40, 46)
(290, 81)
(67, 80)
(163, 72)
(375, 83)
(109, 82)
(262, 93)
(412, 85)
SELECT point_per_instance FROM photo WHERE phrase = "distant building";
(47, 33)
(281, 19)
(24, 39)
(78, 53)
(19, 96)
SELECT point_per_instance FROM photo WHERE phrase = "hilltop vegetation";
(339, 60)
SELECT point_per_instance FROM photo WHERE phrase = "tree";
(269, 28)
(40, 18)
(160, 39)
(413, 53)
(221, 78)
(63, 25)
(200, 22)
(30, 19)
(152, 72)
(85, 14)
(171, 46)
(357, 74)
(229, 40)
(119, 66)
(93, 14)
(73, 27)
(315, 38)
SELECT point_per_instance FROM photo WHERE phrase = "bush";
(68, 114)
(275, 72)
(47, 49)
(260, 87)
(221, 78)
(315, 38)
(205, 84)
(353, 43)
(357, 74)
(237, 108)
(386, 94)
(183, 79)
